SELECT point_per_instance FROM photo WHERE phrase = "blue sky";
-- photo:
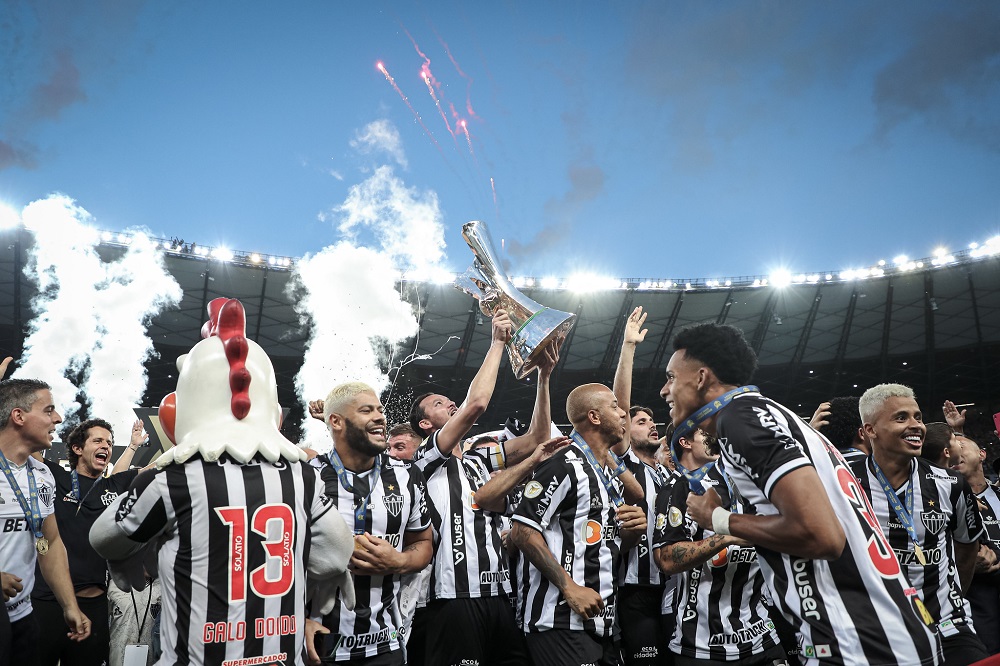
(660, 139)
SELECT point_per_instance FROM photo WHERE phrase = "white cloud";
(380, 136)
(405, 222)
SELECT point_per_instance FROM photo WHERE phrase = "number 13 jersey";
(235, 543)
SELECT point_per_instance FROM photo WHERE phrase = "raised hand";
(634, 332)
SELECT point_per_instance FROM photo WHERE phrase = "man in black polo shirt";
(82, 494)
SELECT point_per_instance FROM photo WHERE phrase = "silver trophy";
(535, 326)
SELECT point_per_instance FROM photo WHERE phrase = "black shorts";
(474, 631)
(963, 648)
(565, 647)
(643, 640)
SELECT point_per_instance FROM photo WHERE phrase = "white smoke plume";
(348, 291)
(91, 316)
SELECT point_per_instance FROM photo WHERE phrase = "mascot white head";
(227, 397)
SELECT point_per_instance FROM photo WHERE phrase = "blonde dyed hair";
(341, 396)
(873, 399)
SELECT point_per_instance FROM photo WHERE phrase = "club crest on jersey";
(45, 494)
(676, 517)
(393, 504)
(108, 497)
(934, 521)
(533, 489)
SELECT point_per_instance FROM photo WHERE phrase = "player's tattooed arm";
(685, 555)
(532, 544)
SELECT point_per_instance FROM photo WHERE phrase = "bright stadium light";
(550, 282)
(223, 254)
(587, 282)
(9, 217)
(780, 278)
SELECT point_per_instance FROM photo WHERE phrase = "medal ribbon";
(613, 493)
(31, 511)
(361, 510)
(76, 490)
(690, 424)
(904, 514)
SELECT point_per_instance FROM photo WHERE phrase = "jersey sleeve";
(967, 523)
(760, 442)
(134, 519)
(493, 458)
(420, 514)
(544, 493)
(428, 457)
(320, 503)
(121, 481)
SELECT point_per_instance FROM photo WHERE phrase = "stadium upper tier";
(934, 324)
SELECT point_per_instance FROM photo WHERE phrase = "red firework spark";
(464, 126)
(388, 77)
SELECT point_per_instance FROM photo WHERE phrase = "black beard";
(646, 446)
(357, 439)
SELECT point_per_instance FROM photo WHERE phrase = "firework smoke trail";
(458, 68)
(428, 77)
(392, 82)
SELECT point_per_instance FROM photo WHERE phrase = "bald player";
(571, 525)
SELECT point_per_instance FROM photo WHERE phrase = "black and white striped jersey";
(989, 510)
(944, 511)
(397, 504)
(567, 502)
(468, 559)
(638, 564)
(719, 605)
(857, 609)
(235, 540)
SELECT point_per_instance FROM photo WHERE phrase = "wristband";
(720, 521)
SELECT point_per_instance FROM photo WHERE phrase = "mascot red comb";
(237, 518)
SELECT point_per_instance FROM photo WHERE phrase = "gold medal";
(918, 551)
(42, 545)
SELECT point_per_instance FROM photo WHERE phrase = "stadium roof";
(935, 327)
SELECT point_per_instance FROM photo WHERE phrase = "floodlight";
(550, 282)
(9, 217)
(780, 278)
(222, 254)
